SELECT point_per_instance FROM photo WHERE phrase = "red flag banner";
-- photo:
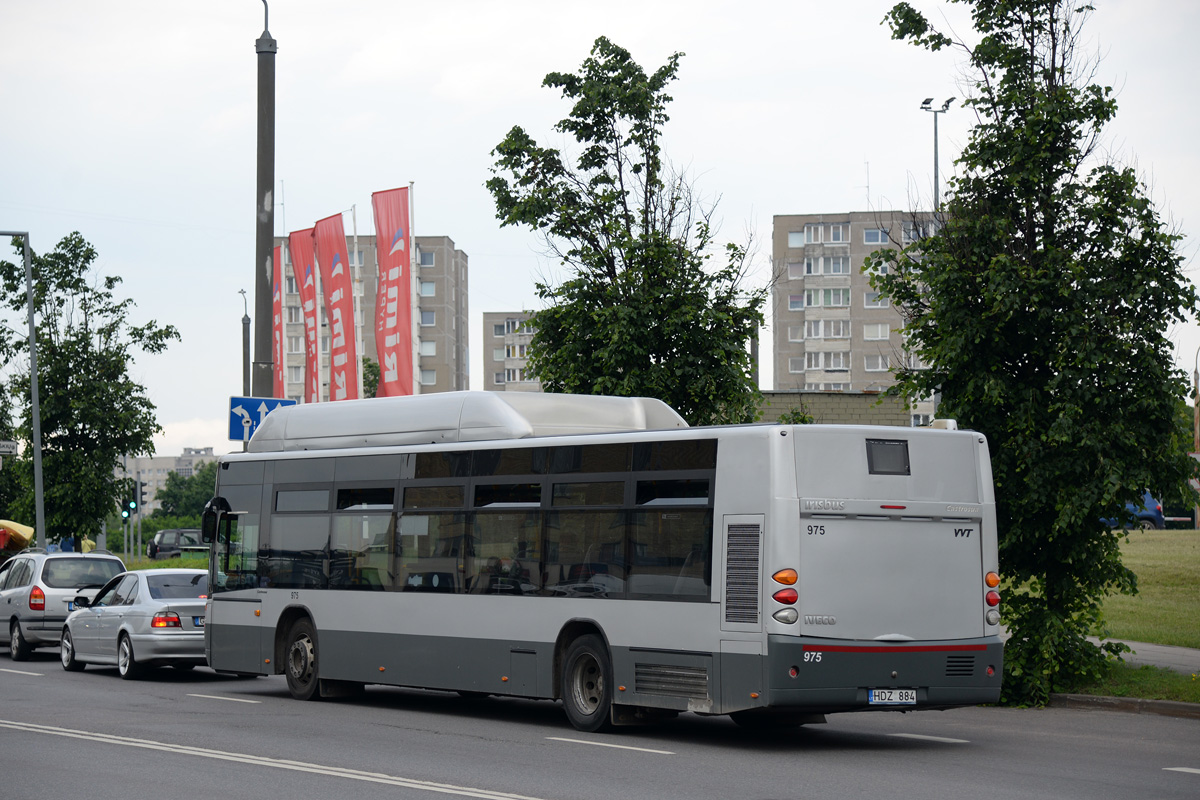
(330, 239)
(277, 327)
(300, 246)
(393, 301)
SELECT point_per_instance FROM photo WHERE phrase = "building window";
(837, 265)
(921, 420)
(498, 329)
(814, 360)
(796, 270)
(426, 259)
(289, 284)
(427, 288)
(796, 239)
(498, 377)
(796, 302)
(428, 348)
(875, 236)
(295, 374)
(795, 333)
(915, 231)
(293, 314)
(876, 362)
(839, 361)
(835, 298)
(812, 266)
(873, 300)
(813, 329)
(812, 234)
(795, 365)
(515, 326)
(515, 350)
(295, 344)
(428, 319)
(498, 354)
(875, 331)
(325, 345)
(428, 377)
(812, 298)
(837, 329)
(839, 233)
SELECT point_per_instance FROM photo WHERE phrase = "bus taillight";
(787, 577)
(992, 598)
(992, 580)
(786, 596)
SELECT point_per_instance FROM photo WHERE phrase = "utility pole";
(927, 106)
(266, 48)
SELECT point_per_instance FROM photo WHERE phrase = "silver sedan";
(139, 619)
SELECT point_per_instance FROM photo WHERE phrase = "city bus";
(599, 552)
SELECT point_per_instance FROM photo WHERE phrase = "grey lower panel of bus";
(836, 676)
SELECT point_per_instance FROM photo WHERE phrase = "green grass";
(190, 562)
(1167, 605)
(1146, 683)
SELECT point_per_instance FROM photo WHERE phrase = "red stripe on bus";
(923, 648)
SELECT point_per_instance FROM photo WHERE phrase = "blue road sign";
(247, 413)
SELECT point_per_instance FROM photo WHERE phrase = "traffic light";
(128, 508)
(141, 494)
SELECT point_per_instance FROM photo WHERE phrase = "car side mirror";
(82, 601)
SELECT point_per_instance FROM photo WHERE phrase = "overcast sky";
(133, 122)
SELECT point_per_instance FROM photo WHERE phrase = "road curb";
(1130, 705)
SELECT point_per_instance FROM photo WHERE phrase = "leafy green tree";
(644, 312)
(92, 412)
(370, 372)
(1041, 306)
(185, 496)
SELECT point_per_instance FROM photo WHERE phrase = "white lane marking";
(943, 739)
(218, 697)
(615, 746)
(1182, 769)
(263, 761)
(22, 672)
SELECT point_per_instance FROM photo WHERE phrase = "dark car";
(175, 541)
(1147, 516)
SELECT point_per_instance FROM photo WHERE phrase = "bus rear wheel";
(587, 684)
(301, 661)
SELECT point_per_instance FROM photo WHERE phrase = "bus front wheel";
(301, 662)
(587, 684)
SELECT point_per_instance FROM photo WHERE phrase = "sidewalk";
(1180, 659)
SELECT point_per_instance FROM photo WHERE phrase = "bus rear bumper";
(830, 675)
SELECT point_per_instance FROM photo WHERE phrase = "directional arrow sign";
(247, 413)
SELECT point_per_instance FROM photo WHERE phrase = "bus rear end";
(881, 588)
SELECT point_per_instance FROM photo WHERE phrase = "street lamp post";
(39, 512)
(264, 278)
(927, 105)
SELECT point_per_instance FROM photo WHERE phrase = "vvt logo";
(962, 532)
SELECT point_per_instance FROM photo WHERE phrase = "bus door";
(233, 614)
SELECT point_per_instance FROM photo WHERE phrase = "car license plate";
(70, 605)
(198, 622)
(892, 697)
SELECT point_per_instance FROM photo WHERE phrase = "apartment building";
(832, 332)
(440, 308)
(506, 338)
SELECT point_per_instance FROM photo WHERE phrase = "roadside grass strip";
(262, 761)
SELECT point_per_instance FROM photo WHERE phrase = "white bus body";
(632, 566)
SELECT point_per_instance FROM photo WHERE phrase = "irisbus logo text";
(824, 505)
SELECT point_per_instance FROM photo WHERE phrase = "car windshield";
(75, 573)
(173, 587)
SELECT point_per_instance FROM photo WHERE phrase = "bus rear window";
(887, 457)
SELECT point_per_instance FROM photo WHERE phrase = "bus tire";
(301, 661)
(587, 684)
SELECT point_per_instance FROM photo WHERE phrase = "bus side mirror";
(209, 518)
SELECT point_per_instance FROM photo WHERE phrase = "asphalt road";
(201, 735)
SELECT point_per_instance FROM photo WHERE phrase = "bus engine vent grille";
(671, 680)
(960, 666)
(741, 573)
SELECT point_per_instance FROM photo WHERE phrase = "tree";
(92, 412)
(185, 496)
(643, 312)
(1041, 305)
(370, 373)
